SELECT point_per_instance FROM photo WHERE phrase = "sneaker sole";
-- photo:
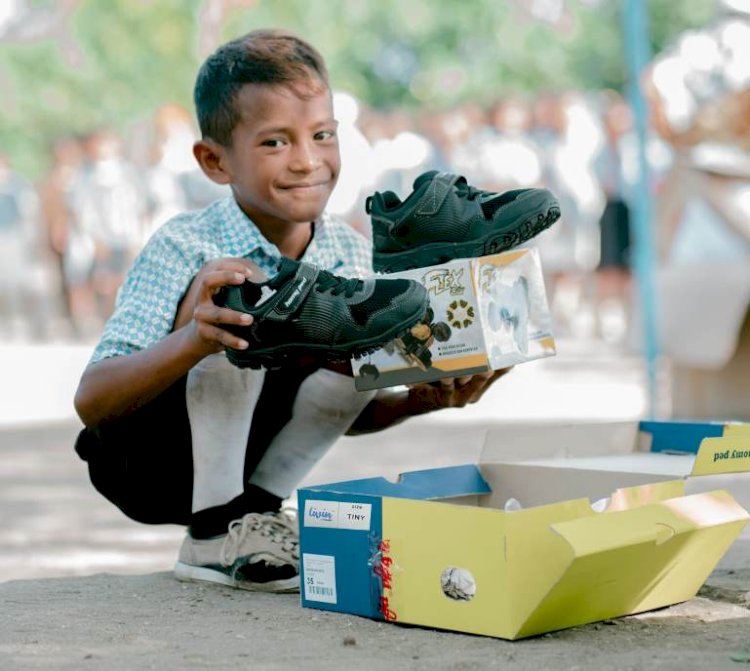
(289, 354)
(188, 573)
(493, 243)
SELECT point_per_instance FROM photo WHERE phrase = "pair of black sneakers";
(305, 311)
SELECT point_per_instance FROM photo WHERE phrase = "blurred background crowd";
(97, 132)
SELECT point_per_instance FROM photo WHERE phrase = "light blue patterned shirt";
(161, 274)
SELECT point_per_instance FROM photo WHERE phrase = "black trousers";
(143, 462)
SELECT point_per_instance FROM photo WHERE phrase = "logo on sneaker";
(252, 331)
(488, 197)
(444, 279)
(296, 292)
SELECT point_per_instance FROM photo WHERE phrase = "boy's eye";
(274, 142)
(325, 135)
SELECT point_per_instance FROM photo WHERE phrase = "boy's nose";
(306, 158)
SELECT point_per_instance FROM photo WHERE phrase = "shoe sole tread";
(190, 573)
(492, 243)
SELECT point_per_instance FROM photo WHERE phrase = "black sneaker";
(308, 312)
(444, 218)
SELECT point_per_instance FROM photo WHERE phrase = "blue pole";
(637, 53)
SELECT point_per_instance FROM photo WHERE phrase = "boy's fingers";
(238, 265)
(224, 337)
(237, 343)
(227, 316)
(469, 388)
(223, 277)
(215, 280)
(213, 314)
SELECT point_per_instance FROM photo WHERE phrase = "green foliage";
(117, 61)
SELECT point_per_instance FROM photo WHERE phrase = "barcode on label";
(319, 577)
(323, 591)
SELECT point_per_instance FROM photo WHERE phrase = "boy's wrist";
(193, 347)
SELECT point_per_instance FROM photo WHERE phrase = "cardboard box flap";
(655, 522)
(679, 437)
(542, 482)
(730, 454)
(627, 498)
(737, 428)
(434, 483)
(637, 560)
(557, 439)
(606, 532)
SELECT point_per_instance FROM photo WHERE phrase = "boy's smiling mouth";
(304, 186)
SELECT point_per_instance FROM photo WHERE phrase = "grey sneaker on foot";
(259, 552)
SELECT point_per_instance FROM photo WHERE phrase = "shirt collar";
(243, 238)
(241, 235)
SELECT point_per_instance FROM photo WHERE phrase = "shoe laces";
(337, 284)
(277, 527)
(465, 189)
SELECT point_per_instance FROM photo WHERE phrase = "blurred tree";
(73, 65)
(109, 65)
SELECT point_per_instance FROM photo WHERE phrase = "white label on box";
(338, 515)
(320, 577)
(355, 516)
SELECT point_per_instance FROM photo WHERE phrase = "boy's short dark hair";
(259, 57)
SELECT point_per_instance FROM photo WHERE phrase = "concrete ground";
(83, 587)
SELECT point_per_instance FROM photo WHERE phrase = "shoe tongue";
(287, 270)
(428, 176)
(424, 177)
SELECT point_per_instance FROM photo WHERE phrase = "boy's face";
(284, 160)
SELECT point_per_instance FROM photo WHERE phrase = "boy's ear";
(211, 157)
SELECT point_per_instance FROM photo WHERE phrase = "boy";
(175, 433)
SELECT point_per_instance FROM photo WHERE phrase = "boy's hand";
(390, 407)
(198, 310)
(451, 392)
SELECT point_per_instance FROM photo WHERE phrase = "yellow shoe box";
(516, 548)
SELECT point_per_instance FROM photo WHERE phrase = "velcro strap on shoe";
(294, 293)
(439, 188)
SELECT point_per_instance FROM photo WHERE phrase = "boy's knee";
(142, 462)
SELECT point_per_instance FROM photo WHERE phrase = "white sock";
(325, 407)
(221, 399)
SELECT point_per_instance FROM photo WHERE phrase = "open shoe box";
(485, 313)
(438, 549)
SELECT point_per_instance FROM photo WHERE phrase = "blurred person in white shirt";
(108, 202)
(358, 165)
(509, 158)
(19, 246)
